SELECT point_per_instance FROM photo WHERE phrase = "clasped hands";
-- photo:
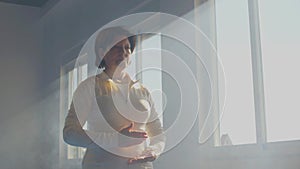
(134, 138)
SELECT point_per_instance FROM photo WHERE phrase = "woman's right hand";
(131, 137)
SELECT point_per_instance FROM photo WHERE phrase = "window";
(75, 76)
(280, 37)
(70, 78)
(152, 74)
(226, 25)
(147, 67)
(237, 124)
(258, 47)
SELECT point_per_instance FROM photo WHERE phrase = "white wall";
(20, 67)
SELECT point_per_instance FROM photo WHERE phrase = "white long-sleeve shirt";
(99, 102)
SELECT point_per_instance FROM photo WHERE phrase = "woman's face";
(118, 56)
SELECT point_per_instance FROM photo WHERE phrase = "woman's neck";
(116, 75)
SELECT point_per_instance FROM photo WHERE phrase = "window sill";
(274, 149)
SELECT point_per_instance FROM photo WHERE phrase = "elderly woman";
(123, 128)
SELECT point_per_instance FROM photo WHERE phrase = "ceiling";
(34, 3)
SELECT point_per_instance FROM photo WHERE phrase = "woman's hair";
(105, 39)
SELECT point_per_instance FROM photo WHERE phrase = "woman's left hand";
(147, 156)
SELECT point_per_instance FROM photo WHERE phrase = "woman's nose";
(125, 53)
(126, 50)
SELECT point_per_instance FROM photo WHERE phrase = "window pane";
(75, 76)
(151, 69)
(233, 42)
(280, 37)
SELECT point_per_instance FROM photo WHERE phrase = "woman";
(119, 112)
